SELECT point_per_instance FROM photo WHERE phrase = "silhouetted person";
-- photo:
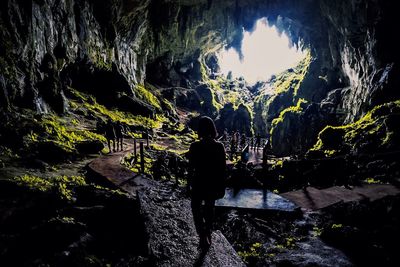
(110, 135)
(258, 141)
(207, 178)
(245, 154)
(243, 141)
(119, 135)
(266, 150)
(100, 126)
(232, 149)
(225, 135)
(237, 140)
(234, 138)
(173, 166)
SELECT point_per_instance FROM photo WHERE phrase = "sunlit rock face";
(363, 46)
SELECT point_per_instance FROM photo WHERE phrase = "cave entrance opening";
(264, 52)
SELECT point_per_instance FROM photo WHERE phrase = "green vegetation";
(134, 164)
(292, 109)
(62, 186)
(291, 79)
(374, 128)
(52, 129)
(254, 252)
(147, 96)
(100, 111)
(336, 226)
(277, 165)
(372, 181)
(7, 152)
(101, 56)
(286, 114)
(317, 231)
(282, 92)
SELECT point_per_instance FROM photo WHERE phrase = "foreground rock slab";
(173, 240)
(313, 252)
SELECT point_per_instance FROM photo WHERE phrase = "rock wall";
(107, 47)
(361, 44)
(81, 36)
(165, 40)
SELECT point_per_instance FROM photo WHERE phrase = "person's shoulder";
(194, 145)
(219, 144)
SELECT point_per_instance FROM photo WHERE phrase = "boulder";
(171, 233)
(135, 106)
(89, 146)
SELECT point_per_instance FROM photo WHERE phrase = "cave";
(325, 129)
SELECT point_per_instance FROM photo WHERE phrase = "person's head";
(207, 128)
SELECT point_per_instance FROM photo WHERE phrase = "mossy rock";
(375, 132)
(333, 137)
(136, 106)
(51, 151)
(89, 146)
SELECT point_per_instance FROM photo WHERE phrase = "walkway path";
(168, 219)
(256, 199)
(312, 198)
(256, 156)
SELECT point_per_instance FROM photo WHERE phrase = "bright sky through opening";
(264, 53)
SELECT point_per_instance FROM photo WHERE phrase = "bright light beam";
(265, 52)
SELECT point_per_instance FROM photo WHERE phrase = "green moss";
(52, 128)
(293, 78)
(62, 185)
(100, 111)
(101, 57)
(157, 147)
(371, 128)
(34, 182)
(9, 153)
(317, 231)
(232, 97)
(203, 71)
(215, 103)
(290, 110)
(147, 96)
(284, 87)
(134, 165)
(372, 181)
(109, 190)
(336, 226)
(278, 164)
(255, 251)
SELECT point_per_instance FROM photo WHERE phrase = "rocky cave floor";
(103, 227)
(56, 213)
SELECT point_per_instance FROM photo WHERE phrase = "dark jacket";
(110, 132)
(208, 169)
(118, 130)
